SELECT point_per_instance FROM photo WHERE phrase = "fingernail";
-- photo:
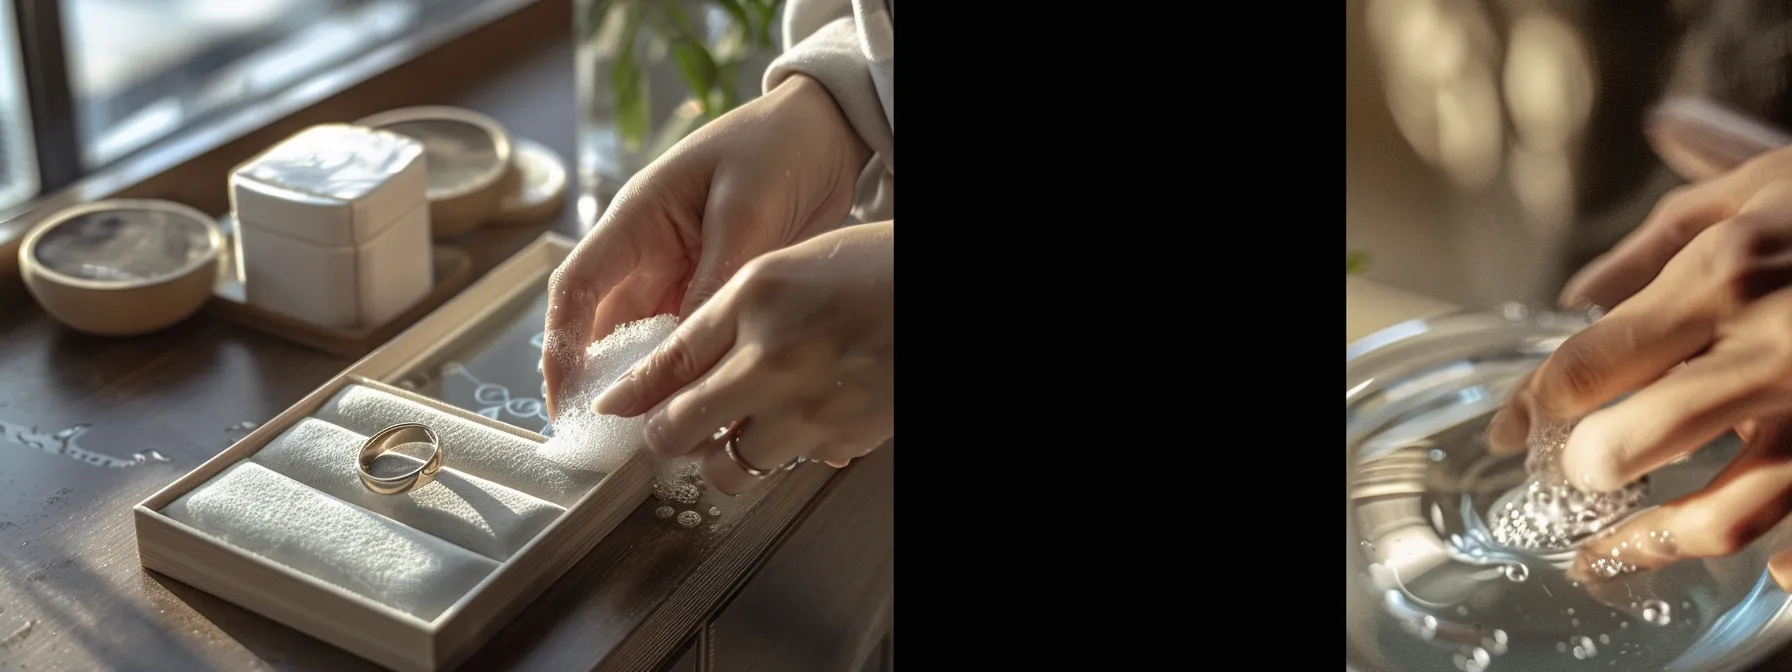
(618, 399)
(1510, 428)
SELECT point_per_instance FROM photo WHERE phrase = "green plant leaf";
(1356, 261)
(629, 85)
(592, 20)
(734, 9)
(765, 11)
(698, 69)
(729, 76)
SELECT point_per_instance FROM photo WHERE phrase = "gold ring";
(755, 472)
(392, 437)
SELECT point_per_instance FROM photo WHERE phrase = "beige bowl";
(122, 267)
(467, 155)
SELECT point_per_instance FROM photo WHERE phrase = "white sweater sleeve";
(849, 46)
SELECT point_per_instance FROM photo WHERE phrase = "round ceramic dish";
(122, 267)
(1426, 589)
(468, 156)
(537, 191)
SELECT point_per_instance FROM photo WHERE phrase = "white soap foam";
(583, 439)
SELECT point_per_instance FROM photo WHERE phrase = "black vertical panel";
(49, 91)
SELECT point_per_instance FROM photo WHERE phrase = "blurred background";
(1492, 147)
(110, 78)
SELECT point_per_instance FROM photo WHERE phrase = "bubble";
(1574, 622)
(1437, 455)
(1516, 572)
(715, 511)
(1481, 656)
(1623, 625)
(1584, 648)
(1461, 611)
(1561, 647)
(1495, 642)
(664, 512)
(1604, 638)
(1657, 612)
(689, 519)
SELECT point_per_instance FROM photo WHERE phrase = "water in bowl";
(123, 245)
(1431, 586)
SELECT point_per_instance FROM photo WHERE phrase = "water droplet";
(1584, 648)
(715, 511)
(664, 512)
(1481, 656)
(1561, 647)
(1437, 455)
(1623, 625)
(1570, 611)
(689, 519)
(1605, 639)
(1517, 572)
(1574, 622)
(1461, 611)
(1657, 612)
(1495, 642)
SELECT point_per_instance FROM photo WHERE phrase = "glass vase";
(649, 72)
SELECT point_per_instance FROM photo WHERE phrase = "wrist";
(815, 102)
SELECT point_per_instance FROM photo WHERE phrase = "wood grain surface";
(91, 426)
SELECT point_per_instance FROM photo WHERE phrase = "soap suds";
(1547, 513)
(583, 439)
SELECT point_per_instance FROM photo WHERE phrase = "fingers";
(1678, 218)
(689, 353)
(599, 263)
(1746, 500)
(718, 398)
(1673, 417)
(1511, 425)
(1632, 345)
(838, 454)
(1780, 566)
(1700, 139)
(766, 444)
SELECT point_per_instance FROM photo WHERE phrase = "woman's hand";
(775, 171)
(796, 354)
(1706, 347)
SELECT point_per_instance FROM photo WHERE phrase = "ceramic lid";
(332, 185)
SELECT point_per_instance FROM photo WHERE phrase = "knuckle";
(677, 358)
(1573, 379)
(765, 278)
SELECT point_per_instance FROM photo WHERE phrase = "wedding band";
(393, 437)
(751, 470)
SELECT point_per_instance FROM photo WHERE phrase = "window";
(141, 70)
(18, 165)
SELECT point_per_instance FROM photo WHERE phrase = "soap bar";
(468, 447)
(259, 511)
(470, 512)
(333, 185)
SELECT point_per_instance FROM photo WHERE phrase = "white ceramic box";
(333, 226)
(338, 582)
(339, 287)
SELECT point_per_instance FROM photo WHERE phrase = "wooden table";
(804, 585)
